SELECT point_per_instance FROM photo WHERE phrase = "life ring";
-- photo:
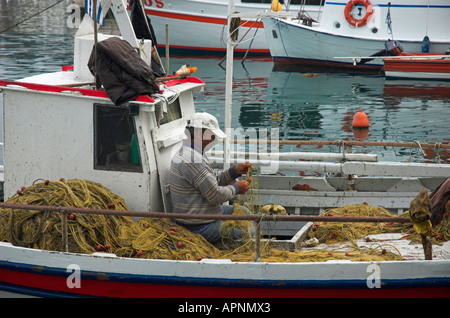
(352, 21)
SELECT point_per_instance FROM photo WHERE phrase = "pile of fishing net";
(42, 229)
(89, 233)
(330, 234)
(441, 231)
(161, 238)
(335, 232)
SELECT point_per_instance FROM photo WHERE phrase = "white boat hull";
(308, 48)
(49, 273)
(200, 26)
(331, 43)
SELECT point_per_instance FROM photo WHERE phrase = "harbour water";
(301, 106)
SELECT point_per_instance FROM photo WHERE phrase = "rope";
(418, 146)
(438, 149)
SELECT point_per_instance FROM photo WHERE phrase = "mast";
(228, 88)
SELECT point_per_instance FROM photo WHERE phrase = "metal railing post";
(64, 232)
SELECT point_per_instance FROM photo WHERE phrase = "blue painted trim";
(236, 283)
(36, 292)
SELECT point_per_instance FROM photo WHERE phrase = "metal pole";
(228, 89)
(167, 49)
(64, 232)
(96, 78)
(348, 143)
(257, 240)
(256, 218)
(427, 247)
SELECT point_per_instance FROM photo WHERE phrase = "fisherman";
(195, 188)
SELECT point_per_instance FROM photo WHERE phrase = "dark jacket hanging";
(121, 70)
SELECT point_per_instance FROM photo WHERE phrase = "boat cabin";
(69, 130)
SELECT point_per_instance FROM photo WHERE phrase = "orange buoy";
(360, 125)
(360, 120)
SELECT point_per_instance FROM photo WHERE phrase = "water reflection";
(322, 107)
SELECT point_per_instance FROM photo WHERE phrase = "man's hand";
(243, 168)
(243, 185)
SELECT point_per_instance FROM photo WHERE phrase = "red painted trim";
(202, 19)
(56, 88)
(93, 92)
(105, 288)
(186, 17)
(214, 49)
(417, 65)
(189, 79)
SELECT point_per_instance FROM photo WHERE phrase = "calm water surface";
(301, 106)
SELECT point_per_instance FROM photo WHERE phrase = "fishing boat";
(198, 27)
(418, 66)
(75, 131)
(358, 28)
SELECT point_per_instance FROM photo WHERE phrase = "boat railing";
(343, 161)
(350, 143)
(256, 218)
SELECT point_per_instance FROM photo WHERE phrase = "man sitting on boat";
(195, 188)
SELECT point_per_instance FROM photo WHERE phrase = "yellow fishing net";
(42, 229)
(334, 232)
(88, 233)
(162, 239)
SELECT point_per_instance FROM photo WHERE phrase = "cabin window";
(173, 112)
(115, 139)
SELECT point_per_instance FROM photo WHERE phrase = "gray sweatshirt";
(195, 188)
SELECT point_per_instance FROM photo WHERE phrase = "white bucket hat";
(207, 121)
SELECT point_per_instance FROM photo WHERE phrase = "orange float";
(360, 125)
(352, 21)
(360, 120)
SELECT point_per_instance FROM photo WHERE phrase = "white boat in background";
(199, 26)
(358, 28)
